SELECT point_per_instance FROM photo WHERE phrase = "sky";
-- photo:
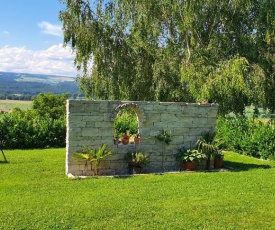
(31, 38)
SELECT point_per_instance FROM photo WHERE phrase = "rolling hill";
(25, 85)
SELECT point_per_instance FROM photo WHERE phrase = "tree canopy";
(50, 105)
(175, 50)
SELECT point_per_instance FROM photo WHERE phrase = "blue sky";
(31, 39)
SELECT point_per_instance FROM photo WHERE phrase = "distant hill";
(25, 85)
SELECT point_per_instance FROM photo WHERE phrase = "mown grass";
(11, 104)
(36, 194)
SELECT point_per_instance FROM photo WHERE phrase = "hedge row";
(251, 137)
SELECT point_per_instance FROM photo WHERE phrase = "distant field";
(11, 104)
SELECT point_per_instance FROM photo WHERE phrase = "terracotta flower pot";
(96, 171)
(134, 169)
(137, 140)
(125, 141)
(189, 165)
(218, 163)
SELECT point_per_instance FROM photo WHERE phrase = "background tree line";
(182, 50)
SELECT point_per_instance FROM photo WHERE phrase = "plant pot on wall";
(125, 141)
(137, 140)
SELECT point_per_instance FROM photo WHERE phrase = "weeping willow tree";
(174, 50)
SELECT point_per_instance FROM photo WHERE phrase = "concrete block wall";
(91, 123)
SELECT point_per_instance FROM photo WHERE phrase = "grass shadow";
(4, 162)
(241, 166)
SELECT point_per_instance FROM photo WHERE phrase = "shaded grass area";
(36, 194)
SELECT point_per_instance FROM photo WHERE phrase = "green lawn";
(36, 194)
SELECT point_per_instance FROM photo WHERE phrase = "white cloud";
(5, 32)
(56, 60)
(49, 28)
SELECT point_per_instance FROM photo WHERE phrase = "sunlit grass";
(36, 194)
(11, 104)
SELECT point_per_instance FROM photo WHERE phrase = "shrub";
(33, 128)
(247, 136)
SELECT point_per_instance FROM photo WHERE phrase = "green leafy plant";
(165, 136)
(136, 135)
(126, 120)
(218, 155)
(136, 161)
(92, 156)
(247, 136)
(136, 158)
(207, 145)
(116, 135)
(189, 155)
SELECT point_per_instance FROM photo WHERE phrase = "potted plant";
(207, 145)
(92, 156)
(218, 159)
(136, 161)
(125, 139)
(190, 158)
(116, 138)
(137, 138)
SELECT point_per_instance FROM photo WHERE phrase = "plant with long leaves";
(92, 156)
(207, 145)
(136, 158)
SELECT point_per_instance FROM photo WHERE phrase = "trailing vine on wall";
(165, 137)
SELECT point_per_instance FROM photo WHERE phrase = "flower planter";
(189, 165)
(137, 140)
(218, 163)
(134, 169)
(125, 141)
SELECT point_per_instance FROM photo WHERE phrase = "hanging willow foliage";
(171, 50)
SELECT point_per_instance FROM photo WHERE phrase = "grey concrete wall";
(91, 123)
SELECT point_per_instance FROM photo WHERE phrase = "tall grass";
(36, 194)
